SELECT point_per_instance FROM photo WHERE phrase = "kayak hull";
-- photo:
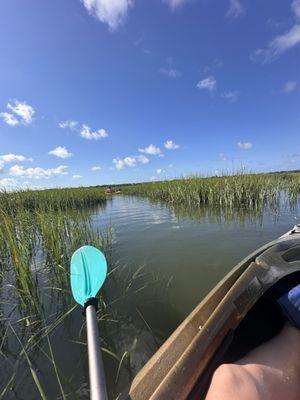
(183, 365)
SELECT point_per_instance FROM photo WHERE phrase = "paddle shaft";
(96, 370)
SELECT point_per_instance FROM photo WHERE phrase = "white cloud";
(96, 168)
(8, 158)
(7, 183)
(60, 152)
(125, 162)
(231, 96)
(170, 72)
(279, 45)
(132, 161)
(289, 86)
(159, 171)
(209, 84)
(173, 4)
(11, 184)
(9, 119)
(22, 110)
(284, 42)
(235, 9)
(68, 125)
(37, 172)
(87, 133)
(223, 156)
(76, 176)
(296, 8)
(142, 159)
(19, 113)
(170, 145)
(111, 12)
(245, 145)
(151, 150)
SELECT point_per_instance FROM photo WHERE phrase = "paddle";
(88, 273)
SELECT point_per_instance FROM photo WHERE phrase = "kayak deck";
(183, 365)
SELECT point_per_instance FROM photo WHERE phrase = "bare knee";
(231, 381)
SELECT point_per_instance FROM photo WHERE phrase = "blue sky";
(111, 91)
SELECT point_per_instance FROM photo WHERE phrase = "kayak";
(239, 314)
(112, 192)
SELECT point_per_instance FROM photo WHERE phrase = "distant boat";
(109, 191)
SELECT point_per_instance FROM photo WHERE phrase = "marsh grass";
(226, 195)
(39, 231)
(52, 199)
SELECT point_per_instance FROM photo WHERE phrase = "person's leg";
(269, 372)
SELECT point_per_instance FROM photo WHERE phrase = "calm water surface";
(169, 263)
(192, 253)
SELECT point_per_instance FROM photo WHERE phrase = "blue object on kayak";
(290, 305)
(88, 273)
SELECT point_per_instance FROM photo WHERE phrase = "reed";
(52, 199)
(39, 231)
(254, 192)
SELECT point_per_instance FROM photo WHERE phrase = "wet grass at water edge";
(42, 333)
(253, 193)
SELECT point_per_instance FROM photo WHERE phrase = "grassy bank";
(240, 191)
(52, 199)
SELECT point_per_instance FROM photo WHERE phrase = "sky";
(113, 91)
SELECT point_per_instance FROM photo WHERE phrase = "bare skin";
(269, 372)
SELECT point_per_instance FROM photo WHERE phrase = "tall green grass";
(35, 228)
(253, 192)
(39, 231)
(52, 199)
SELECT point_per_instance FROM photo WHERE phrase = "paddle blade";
(88, 273)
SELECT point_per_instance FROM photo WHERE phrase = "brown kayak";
(236, 316)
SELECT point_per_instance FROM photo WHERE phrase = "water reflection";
(221, 215)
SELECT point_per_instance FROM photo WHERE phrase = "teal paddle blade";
(88, 273)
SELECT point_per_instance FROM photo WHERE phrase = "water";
(194, 254)
(168, 260)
